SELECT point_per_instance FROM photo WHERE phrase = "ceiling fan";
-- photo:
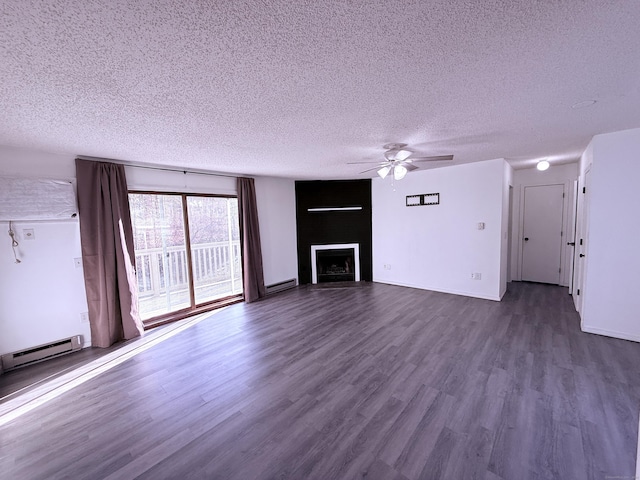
(399, 160)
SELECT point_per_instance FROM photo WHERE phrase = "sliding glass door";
(187, 251)
(215, 247)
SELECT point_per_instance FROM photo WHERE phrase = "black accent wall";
(319, 228)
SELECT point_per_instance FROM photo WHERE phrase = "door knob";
(526, 239)
(573, 244)
(581, 255)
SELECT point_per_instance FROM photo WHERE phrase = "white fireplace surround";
(335, 246)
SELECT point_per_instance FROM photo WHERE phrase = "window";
(187, 250)
(215, 247)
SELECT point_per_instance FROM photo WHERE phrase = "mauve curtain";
(107, 252)
(252, 273)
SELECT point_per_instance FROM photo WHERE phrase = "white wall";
(277, 215)
(438, 247)
(611, 304)
(559, 174)
(145, 179)
(41, 299)
(507, 183)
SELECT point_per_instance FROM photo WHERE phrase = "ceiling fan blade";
(431, 159)
(374, 168)
(397, 155)
(360, 163)
(403, 155)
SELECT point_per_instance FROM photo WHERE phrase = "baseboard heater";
(280, 286)
(41, 352)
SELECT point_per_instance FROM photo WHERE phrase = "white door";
(542, 233)
(571, 238)
(581, 241)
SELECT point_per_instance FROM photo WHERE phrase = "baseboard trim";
(441, 290)
(280, 286)
(610, 333)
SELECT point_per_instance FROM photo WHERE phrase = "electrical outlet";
(476, 276)
(387, 266)
(84, 317)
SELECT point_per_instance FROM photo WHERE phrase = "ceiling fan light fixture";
(384, 171)
(542, 165)
(399, 172)
(403, 155)
(398, 160)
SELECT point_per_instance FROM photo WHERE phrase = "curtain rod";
(165, 169)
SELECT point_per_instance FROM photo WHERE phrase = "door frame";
(582, 232)
(572, 236)
(194, 307)
(563, 222)
(564, 274)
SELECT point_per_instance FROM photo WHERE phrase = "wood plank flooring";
(379, 382)
(35, 379)
(20, 379)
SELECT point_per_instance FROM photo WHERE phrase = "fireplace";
(330, 214)
(335, 263)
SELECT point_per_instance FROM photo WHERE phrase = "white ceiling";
(299, 88)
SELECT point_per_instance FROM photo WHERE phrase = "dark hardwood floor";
(25, 379)
(379, 382)
(15, 381)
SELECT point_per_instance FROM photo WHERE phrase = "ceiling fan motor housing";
(394, 146)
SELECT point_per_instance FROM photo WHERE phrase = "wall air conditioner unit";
(41, 352)
(37, 199)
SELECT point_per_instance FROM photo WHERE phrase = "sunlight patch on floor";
(35, 397)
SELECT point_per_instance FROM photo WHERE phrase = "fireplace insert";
(335, 265)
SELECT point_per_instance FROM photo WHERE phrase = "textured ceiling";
(300, 88)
